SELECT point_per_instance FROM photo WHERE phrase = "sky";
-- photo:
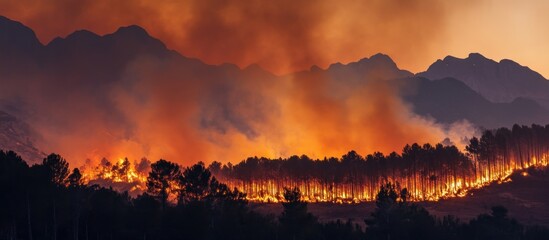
(286, 36)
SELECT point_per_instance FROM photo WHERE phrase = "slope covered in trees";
(47, 201)
(428, 172)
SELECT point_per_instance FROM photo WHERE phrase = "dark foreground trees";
(162, 179)
(396, 218)
(295, 221)
(47, 201)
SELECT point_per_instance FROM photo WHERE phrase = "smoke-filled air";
(161, 107)
(154, 103)
(218, 119)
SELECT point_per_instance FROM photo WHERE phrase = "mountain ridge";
(87, 64)
(501, 81)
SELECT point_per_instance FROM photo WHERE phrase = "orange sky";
(288, 35)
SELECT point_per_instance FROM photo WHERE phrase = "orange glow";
(449, 187)
(157, 110)
(185, 119)
(293, 35)
(121, 175)
(162, 113)
(271, 190)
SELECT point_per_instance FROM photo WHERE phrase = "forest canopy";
(51, 201)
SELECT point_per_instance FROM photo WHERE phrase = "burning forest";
(121, 199)
(428, 172)
(227, 119)
(120, 175)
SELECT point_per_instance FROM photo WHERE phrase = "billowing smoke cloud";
(281, 36)
(165, 108)
(203, 117)
(184, 111)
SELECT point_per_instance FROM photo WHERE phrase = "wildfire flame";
(452, 186)
(123, 173)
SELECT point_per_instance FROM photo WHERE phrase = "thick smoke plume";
(162, 108)
(160, 105)
(281, 36)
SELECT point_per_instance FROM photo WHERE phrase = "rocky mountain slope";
(502, 81)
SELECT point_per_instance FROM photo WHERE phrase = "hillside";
(17, 136)
(523, 196)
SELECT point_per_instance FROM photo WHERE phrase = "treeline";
(428, 172)
(47, 201)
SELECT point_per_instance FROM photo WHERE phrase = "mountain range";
(502, 81)
(87, 66)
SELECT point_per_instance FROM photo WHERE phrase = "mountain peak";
(499, 82)
(83, 34)
(380, 65)
(76, 40)
(132, 31)
(509, 62)
(136, 37)
(79, 36)
(476, 56)
(16, 38)
(381, 57)
(448, 58)
(4, 21)
(378, 58)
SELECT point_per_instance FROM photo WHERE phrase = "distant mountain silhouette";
(377, 66)
(502, 81)
(449, 100)
(87, 64)
(17, 39)
(18, 44)
(84, 55)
